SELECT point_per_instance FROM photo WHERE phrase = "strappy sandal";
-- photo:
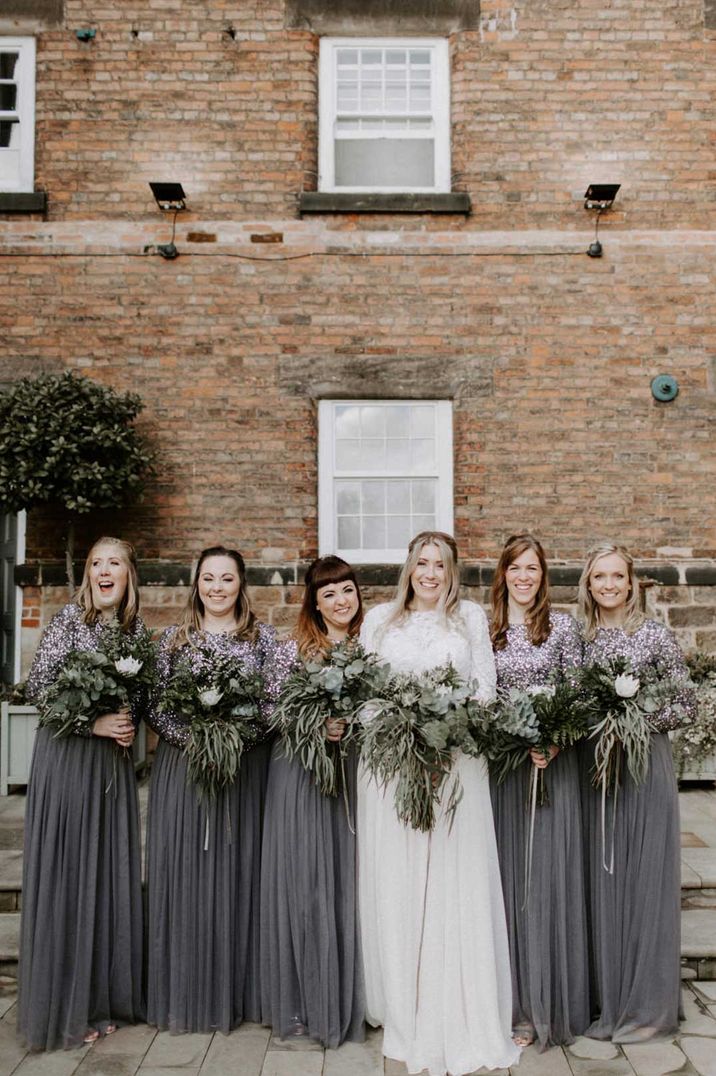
(91, 1035)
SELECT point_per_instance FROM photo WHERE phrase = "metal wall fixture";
(599, 197)
(664, 388)
(86, 33)
(170, 198)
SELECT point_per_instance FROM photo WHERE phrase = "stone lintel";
(346, 202)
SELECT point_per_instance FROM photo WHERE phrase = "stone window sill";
(23, 202)
(330, 202)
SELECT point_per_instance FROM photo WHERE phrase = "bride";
(432, 918)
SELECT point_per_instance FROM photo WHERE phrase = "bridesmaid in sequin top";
(81, 930)
(634, 909)
(547, 925)
(204, 854)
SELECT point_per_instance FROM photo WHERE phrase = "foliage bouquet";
(95, 682)
(410, 731)
(316, 691)
(696, 740)
(223, 703)
(540, 716)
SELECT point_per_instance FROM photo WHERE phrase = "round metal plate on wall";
(664, 388)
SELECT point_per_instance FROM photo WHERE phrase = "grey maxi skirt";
(203, 881)
(81, 929)
(547, 930)
(311, 970)
(634, 912)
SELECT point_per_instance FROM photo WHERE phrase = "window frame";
(328, 476)
(327, 109)
(25, 79)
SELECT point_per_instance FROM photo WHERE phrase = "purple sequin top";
(265, 655)
(651, 646)
(67, 631)
(522, 664)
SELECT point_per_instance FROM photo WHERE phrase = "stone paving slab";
(593, 1049)
(701, 1053)
(698, 933)
(177, 1051)
(242, 1053)
(702, 862)
(9, 934)
(654, 1059)
(356, 1058)
(11, 869)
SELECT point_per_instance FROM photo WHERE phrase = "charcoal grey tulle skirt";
(81, 928)
(311, 972)
(203, 888)
(634, 912)
(547, 931)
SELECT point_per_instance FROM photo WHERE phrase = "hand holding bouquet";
(223, 704)
(92, 683)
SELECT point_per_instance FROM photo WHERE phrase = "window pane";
(419, 56)
(372, 421)
(8, 97)
(347, 498)
(373, 498)
(347, 57)
(399, 531)
(374, 532)
(423, 523)
(347, 422)
(348, 532)
(419, 98)
(399, 497)
(397, 421)
(397, 456)
(9, 134)
(396, 98)
(348, 455)
(385, 162)
(347, 97)
(371, 57)
(372, 455)
(8, 60)
(423, 452)
(423, 421)
(395, 57)
(424, 497)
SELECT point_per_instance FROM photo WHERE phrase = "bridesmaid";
(635, 910)
(548, 934)
(203, 902)
(311, 973)
(81, 927)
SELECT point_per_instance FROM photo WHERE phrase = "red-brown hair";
(537, 616)
(311, 633)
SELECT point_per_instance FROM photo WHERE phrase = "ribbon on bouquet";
(532, 800)
(604, 783)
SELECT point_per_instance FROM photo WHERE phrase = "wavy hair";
(246, 623)
(450, 601)
(633, 616)
(128, 608)
(537, 616)
(311, 632)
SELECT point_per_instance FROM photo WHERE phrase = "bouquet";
(621, 706)
(316, 691)
(96, 682)
(409, 734)
(695, 741)
(539, 716)
(223, 702)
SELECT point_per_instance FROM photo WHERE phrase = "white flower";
(128, 666)
(626, 687)
(210, 697)
(547, 690)
(368, 711)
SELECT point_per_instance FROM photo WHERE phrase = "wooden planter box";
(17, 736)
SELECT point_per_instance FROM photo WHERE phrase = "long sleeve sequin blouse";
(652, 646)
(66, 632)
(265, 655)
(521, 664)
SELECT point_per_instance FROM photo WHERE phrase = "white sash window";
(17, 113)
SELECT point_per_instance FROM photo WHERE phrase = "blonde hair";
(450, 601)
(128, 607)
(246, 623)
(589, 610)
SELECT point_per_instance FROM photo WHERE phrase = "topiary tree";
(68, 442)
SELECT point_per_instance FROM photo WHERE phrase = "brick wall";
(547, 354)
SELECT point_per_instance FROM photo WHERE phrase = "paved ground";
(251, 1051)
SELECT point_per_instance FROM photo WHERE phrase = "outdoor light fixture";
(85, 34)
(599, 196)
(170, 198)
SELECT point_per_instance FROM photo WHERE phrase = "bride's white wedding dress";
(432, 917)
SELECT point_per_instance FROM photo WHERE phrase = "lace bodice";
(422, 641)
(521, 664)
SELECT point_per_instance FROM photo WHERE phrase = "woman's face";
(429, 578)
(338, 604)
(108, 575)
(609, 582)
(219, 585)
(523, 578)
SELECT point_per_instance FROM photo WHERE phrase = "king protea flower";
(626, 687)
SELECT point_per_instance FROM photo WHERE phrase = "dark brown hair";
(311, 633)
(537, 616)
(246, 625)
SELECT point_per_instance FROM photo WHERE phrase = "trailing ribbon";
(534, 782)
(422, 925)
